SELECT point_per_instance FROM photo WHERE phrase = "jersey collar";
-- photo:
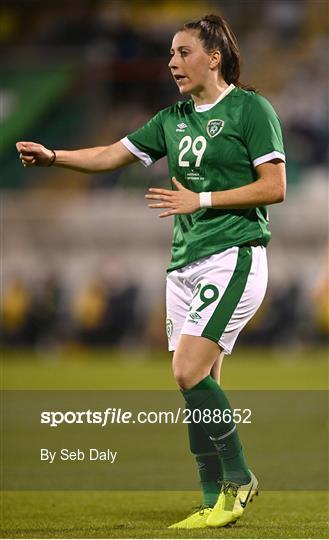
(208, 106)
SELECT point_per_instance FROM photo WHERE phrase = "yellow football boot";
(196, 520)
(232, 502)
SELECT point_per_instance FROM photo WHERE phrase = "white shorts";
(216, 296)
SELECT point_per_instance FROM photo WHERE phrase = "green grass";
(141, 514)
(244, 370)
(148, 514)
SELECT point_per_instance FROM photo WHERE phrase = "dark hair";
(215, 33)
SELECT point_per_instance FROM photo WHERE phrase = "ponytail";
(215, 33)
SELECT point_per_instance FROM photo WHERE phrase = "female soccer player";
(226, 160)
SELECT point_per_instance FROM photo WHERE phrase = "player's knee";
(185, 376)
(182, 378)
(190, 366)
(180, 369)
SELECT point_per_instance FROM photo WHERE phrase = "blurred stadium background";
(83, 259)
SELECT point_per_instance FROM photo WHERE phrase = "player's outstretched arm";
(94, 160)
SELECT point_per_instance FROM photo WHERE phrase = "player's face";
(189, 63)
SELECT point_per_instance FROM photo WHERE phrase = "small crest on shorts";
(169, 328)
(214, 127)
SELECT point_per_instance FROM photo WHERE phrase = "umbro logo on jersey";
(181, 127)
(214, 127)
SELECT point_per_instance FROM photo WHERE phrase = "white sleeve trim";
(268, 157)
(142, 156)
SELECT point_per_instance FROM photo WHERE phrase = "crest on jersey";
(214, 127)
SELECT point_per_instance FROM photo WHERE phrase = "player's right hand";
(34, 154)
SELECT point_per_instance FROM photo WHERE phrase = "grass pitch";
(148, 514)
(246, 369)
(144, 514)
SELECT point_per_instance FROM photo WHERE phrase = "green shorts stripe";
(231, 297)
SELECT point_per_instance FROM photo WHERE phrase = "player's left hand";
(182, 201)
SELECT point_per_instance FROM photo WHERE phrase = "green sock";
(210, 472)
(208, 462)
(207, 395)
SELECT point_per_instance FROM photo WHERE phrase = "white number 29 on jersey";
(198, 147)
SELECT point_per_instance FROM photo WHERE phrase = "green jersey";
(213, 148)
